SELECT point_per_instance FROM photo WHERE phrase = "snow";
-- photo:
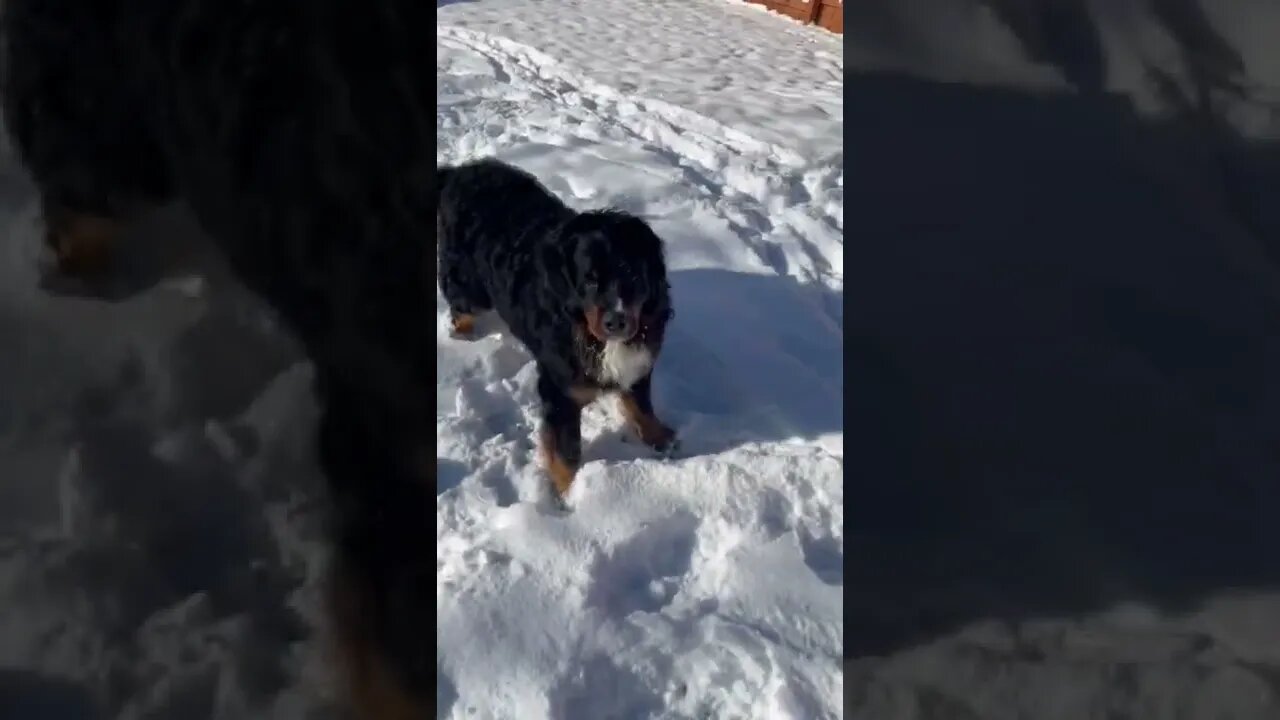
(160, 539)
(1064, 359)
(1110, 45)
(707, 584)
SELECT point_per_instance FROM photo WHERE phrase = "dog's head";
(619, 275)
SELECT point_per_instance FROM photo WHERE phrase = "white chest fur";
(624, 364)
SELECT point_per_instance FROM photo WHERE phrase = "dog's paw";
(662, 439)
(558, 505)
(550, 503)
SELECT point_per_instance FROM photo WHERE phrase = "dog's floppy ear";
(574, 239)
(559, 268)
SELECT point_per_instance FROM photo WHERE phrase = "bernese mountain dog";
(586, 293)
(297, 133)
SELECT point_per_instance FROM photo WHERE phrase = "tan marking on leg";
(463, 323)
(372, 690)
(650, 429)
(82, 244)
(560, 471)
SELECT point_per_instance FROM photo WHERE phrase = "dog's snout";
(615, 322)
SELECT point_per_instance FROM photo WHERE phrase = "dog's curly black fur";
(507, 244)
(296, 130)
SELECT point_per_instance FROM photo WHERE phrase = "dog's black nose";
(615, 323)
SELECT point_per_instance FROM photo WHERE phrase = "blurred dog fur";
(296, 131)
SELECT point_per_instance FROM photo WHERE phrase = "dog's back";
(487, 206)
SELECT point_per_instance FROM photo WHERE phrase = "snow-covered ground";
(1118, 46)
(707, 585)
(159, 528)
(1064, 361)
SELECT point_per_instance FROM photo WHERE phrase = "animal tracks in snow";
(759, 190)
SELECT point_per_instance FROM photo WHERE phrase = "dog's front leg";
(561, 440)
(637, 408)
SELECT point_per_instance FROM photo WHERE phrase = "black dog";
(586, 293)
(296, 130)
